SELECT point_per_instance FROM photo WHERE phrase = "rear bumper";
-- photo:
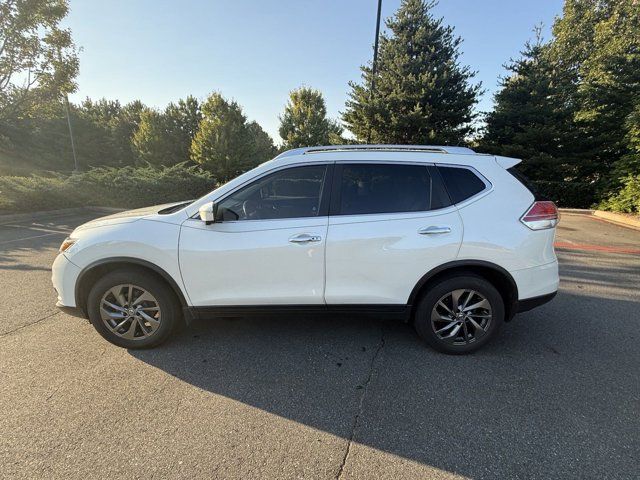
(536, 281)
(529, 303)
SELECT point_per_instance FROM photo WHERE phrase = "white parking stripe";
(38, 228)
(35, 236)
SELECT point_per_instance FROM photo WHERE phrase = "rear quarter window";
(461, 183)
(521, 177)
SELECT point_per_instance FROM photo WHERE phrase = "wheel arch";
(92, 272)
(495, 274)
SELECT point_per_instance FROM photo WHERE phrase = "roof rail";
(294, 151)
(384, 148)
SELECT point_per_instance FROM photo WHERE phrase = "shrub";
(627, 199)
(126, 187)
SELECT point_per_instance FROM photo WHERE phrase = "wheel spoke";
(143, 297)
(131, 332)
(442, 304)
(447, 327)
(484, 303)
(466, 332)
(114, 315)
(151, 309)
(155, 323)
(114, 306)
(145, 330)
(476, 325)
(455, 331)
(130, 295)
(455, 299)
(468, 299)
(120, 325)
(117, 293)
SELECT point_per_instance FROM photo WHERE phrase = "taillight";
(541, 215)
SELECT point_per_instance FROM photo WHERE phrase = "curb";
(576, 211)
(616, 218)
(21, 217)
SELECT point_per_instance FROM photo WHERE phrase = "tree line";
(568, 106)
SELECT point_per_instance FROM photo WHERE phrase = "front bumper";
(63, 276)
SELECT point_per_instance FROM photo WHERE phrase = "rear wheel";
(133, 309)
(460, 314)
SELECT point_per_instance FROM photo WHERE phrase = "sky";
(256, 51)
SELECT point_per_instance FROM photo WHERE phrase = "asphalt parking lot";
(557, 395)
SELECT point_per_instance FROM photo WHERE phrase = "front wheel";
(460, 314)
(133, 309)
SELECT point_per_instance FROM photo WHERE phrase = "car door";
(266, 246)
(389, 224)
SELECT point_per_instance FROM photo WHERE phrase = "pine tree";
(304, 122)
(609, 91)
(422, 94)
(526, 122)
(596, 58)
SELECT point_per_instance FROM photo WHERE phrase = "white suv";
(442, 237)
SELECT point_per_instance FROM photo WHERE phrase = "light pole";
(66, 107)
(374, 68)
(73, 144)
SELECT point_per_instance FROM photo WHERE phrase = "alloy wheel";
(461, 317)
(130, 312)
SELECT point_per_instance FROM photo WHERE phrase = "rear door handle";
(434, 230)
(305, 238)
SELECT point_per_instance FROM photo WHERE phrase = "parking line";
(595, 248)
(29, 238)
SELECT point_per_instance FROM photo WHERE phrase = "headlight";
(67, 244)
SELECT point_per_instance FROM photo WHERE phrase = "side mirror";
(208, 212)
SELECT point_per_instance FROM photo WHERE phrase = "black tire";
(456, 345)
(170, 312)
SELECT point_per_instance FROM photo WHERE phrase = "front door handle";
(434, 230)
(305, 238)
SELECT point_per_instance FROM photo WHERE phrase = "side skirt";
(395, 312)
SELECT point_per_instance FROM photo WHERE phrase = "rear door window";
(383, 188)
(461, 183)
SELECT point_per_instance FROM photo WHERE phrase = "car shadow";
(553, 396)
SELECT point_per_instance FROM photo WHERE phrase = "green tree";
(422, 94)
(263, 147)
(38, 60)
(164, 138)
(595, 53)
(526, 121)
(629, 164)
(104, 130)
(224, 143)
(304, 122)
(608, 94)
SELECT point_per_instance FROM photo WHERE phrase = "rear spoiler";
(507, 162)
